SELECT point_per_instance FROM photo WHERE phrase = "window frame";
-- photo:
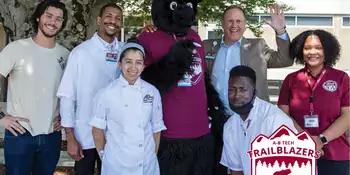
(315, 26)
(302, 15)
(342, 22)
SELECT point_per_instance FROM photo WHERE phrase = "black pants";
(186, 156)
(330, 167)
(217, 127)
(86, 166)
(218, 168)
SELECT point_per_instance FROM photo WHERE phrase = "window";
(296, 20)
(265, 18)
(314, 21)
(346, 21)
(256, 18)
(290, 20)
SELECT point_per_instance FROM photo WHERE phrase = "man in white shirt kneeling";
(252, 116)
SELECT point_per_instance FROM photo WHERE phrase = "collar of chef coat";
(125, 83)
(254, 114)
(105, 45)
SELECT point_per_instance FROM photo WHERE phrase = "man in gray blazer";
(233, 49)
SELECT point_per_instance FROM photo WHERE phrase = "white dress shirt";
(264, 118)
(87, 72)
(129, 115)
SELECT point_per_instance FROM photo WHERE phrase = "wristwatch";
(2, 114)
(323, 139)
(281, 31)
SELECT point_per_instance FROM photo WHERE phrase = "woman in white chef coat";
(128, 119)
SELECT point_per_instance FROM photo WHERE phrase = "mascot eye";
(190, 5)
(173, 5)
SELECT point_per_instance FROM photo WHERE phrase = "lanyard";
(312, 97)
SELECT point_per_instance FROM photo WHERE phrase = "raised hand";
(277, 21)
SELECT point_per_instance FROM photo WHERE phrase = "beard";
(234, 106)
(46, 34)
(111, 33)
(237, 104)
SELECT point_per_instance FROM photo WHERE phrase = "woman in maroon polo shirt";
(317, 98)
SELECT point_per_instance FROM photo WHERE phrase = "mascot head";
(175, 16)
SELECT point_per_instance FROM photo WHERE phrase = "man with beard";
(92, 66)
(35, 65)
(252, 116)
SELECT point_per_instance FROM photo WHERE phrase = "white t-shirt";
(129, 115)
(264, 118)
(35, 74)
(86, 73)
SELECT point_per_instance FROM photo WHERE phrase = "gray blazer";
(256, 54)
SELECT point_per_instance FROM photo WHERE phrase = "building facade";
(330, 15)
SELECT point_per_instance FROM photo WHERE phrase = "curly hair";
(42, 7)
(330, 44)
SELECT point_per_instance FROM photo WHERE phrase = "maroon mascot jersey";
(185, 105)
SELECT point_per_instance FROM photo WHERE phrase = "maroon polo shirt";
(331, 94)
(184, 107)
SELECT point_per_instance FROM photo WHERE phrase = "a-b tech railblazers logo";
(283, 153)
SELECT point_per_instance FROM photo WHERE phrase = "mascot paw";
(172, 67)
(183, 46)
(182, 53)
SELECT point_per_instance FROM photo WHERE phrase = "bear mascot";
(176, 66)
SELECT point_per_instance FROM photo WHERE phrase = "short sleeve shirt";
(264, 118)
(330, 95)
(35, 73)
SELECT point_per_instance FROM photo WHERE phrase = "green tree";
(15, 16)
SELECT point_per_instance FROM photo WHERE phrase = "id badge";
(184, 83)
(111, 57)
(210, 56)
(311, 121)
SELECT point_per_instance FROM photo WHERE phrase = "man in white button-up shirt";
(128, 119)
(252, 116)
(91, 66)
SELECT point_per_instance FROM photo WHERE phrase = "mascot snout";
(183, 16)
